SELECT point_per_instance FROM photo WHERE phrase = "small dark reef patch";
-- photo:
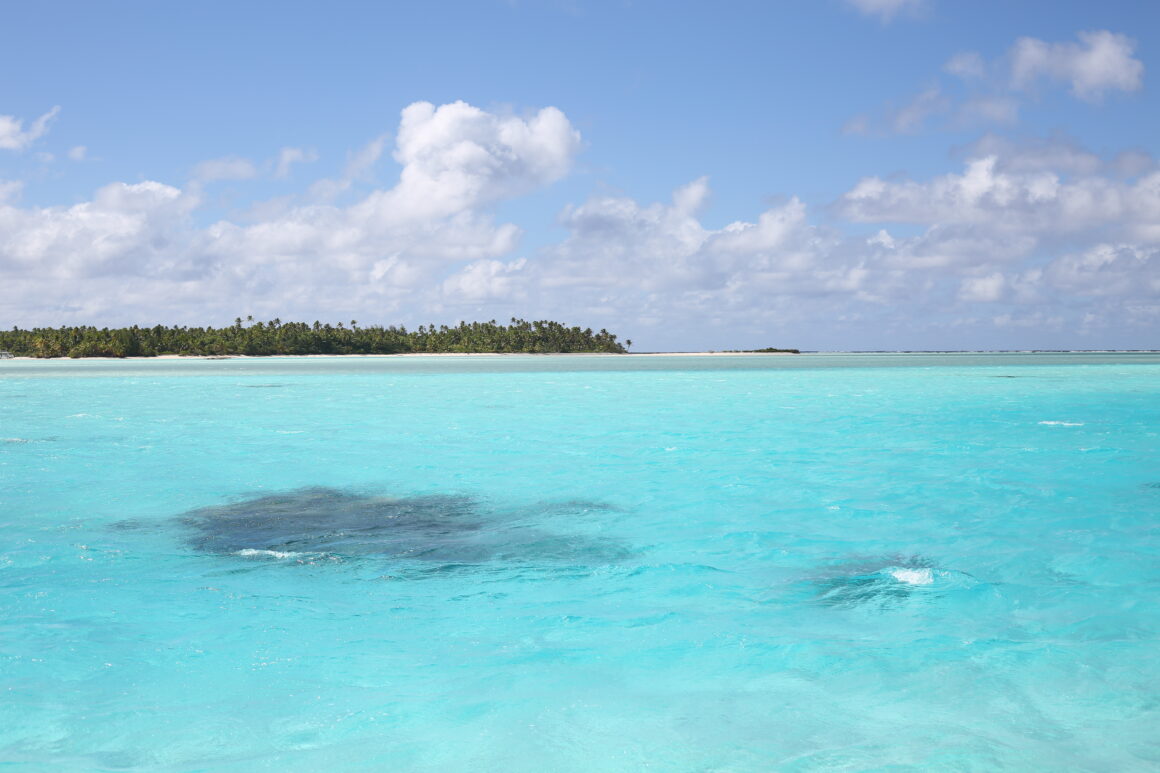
(886, 582)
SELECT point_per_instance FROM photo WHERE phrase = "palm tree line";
(282, 338)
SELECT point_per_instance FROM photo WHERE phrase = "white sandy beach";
(420, 354)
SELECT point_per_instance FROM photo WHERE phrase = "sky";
(818, 174)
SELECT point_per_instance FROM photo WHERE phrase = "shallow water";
(587, 563)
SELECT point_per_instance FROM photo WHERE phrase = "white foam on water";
(913, 576)
(1062, 423)
(254, 552)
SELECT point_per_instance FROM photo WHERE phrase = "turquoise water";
(823, 562)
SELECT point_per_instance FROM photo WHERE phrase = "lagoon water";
(821, 562)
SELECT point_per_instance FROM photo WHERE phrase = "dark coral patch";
(443, 529)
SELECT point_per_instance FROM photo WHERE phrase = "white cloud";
(968, 65)
(774, 228)
(1115, 271)
(359, 167)
(614, 238)
(692, 197)
(657, 265)
(988, 110)
(1101, 61)
(1026, 228)
(78, 152)
(378, 252)
(885, 9)
(361, 163)
(288, 157)
(457, 156)
(125, 230)
(1057, 153)
(1131, 163)
(1036, 202)
(10, 190)
(911, 117)
(485, 280)
(1035, 320)
(13, 135)
(1038, 235)
(230, 168)
(237, 168)
(653, 272)
(953, 249)
(1106, 288)
(984, 289)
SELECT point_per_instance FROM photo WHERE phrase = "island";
(300, 338)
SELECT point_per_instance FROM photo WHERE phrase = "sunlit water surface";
(588, 563)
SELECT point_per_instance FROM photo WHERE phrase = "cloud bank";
(1042, 238)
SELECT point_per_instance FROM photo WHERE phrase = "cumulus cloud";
(1034, 235)
(13, 135)
(613, 238)
(1064, 239)
(457, 156)
(653, 270)
(1116, 271)
(1056, 153)
(1108, 288)
(125, 229)
(487, 280)
(1011, 201)
(658, 266)
(1101, 61)
(375, 252)
(985, 289)
(952, 249)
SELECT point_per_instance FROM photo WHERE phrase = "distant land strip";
(294, 338)
(766, 350)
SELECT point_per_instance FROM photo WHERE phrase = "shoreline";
(403, 354)
(197, 357)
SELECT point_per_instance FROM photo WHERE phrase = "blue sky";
(866, 174)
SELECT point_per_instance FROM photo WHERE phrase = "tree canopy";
(281, 338)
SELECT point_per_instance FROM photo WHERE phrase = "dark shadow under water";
(442, 529)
